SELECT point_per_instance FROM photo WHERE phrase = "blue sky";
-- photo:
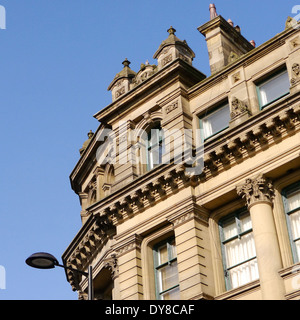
(57, 59)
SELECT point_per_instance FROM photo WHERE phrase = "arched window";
(155, 146)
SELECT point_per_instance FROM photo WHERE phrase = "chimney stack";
(225, 42)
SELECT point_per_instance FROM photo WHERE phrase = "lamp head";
(42, 260)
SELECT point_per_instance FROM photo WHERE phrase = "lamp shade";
(42, 260)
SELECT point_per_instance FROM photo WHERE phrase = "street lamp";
(43, 260)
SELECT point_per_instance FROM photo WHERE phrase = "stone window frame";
(233, 215)
(147, 258)
(158, 266)
(209, 111)
(156, 126)
(285, 191)
(269, 76)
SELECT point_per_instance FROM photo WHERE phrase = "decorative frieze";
(259, 189)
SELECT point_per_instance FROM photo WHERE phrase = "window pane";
(162, 255)
(295, 224)
(216, 121)
(240, 250)
(246, 223)
(229, 229)
(244, 273)
(293, 200)
(297, 243)
(274, 88)
(154, 157)
(173, 294)
(168, 276)
(155, 148)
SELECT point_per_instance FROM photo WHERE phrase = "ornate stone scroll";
(257, 190)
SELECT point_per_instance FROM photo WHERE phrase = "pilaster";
(130, 269)
(193, 254)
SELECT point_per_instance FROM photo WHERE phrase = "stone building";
(190, 187)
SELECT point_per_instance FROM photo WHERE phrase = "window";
(166, 272)
(238, 250)
(291, 200)
(274, 88)
(155, 146)
(215, 122)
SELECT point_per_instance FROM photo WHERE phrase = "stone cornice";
(252, 136)
(91, 238)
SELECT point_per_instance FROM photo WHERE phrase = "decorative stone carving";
(296, 74)
(112, 265)
(291, 22)
(232, 57)
(171, 107)
(146, 71)
(236, 77)
(238, 107)
(257, 190)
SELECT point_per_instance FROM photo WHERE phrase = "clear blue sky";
(57, 59)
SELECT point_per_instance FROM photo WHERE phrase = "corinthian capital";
(257, 190)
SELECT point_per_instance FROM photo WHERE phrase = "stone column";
(259, 194)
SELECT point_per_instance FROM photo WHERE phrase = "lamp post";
(43, 260)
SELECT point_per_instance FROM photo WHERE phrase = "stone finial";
(213, 11)
(257, 190)
(86, 143)
(171, 49)
(121, 83)
(90, 134)
(171, 30)
(126, 63)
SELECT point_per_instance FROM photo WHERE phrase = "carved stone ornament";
(232, 57)
(238, 107)
(257, 190)
(296, 74)
(291, 23)
(112, 265)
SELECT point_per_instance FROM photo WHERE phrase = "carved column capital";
(259, 189)
(112, 265)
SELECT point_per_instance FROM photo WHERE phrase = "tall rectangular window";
(215, 122)
(155, 147)
(166, 272)
(273, 88)
(291, 199)
(238, 250)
